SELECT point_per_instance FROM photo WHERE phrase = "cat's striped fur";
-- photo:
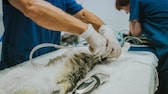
(75, 69)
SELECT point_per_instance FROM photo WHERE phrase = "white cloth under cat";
(132, 73)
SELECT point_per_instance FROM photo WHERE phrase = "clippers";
(90, 84)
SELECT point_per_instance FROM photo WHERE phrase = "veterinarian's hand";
(96, 42)
(112, 42)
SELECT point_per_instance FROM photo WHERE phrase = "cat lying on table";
(59, 76)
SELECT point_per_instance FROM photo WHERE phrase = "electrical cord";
(137, 41)
(47, 45)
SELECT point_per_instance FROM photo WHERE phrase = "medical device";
(140, 41)
(90, 84)
(120, 38)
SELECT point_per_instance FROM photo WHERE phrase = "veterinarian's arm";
(53, 18)
(88, 17)
(49, 16)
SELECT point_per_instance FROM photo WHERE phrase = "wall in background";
(1, 24)
(105, 9)
(1, 7)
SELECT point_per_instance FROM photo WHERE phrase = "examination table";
(132, 73)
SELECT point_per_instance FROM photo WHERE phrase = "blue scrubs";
(153, 16)
(22, 34)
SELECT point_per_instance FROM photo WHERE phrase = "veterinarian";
(29, 23)
(151, 18)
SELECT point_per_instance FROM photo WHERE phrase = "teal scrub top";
(153, 16)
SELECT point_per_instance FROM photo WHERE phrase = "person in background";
(150, 17)
(28, 23)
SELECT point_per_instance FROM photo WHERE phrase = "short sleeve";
(73, 7)
(136, 10)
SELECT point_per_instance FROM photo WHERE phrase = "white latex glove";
(97, 43)
(112, 42)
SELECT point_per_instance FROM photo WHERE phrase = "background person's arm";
(49, 16)
(135, 28)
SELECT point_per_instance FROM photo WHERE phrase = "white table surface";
(132, 73)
